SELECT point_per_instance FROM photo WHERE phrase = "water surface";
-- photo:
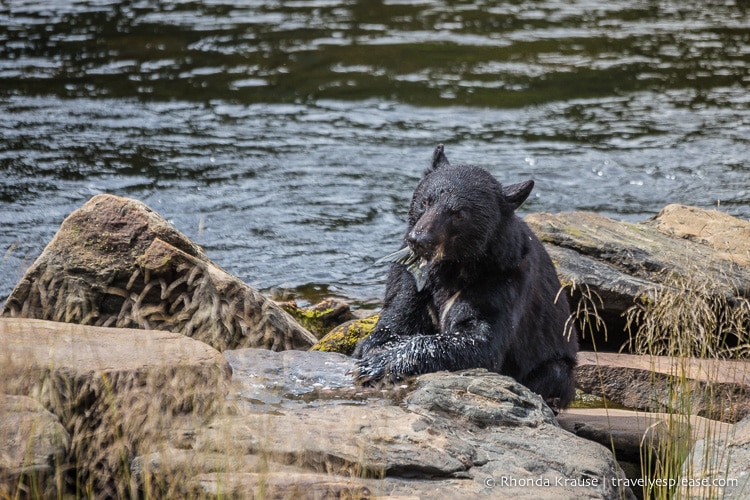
(286, 137)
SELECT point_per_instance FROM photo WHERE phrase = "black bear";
(472, 287)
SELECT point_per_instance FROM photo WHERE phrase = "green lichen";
(575, 231)
(104, 245)
(344, 337)
(75, 231)
(314, 320)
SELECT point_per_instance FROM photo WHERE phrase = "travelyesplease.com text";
(593, 482)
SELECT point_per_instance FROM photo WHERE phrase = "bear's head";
(457, 211)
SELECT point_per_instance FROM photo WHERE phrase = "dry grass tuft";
(686, 318)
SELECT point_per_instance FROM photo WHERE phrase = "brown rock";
(115, 262)
(632, 433)
(32, 443)
(113, 390)
(712, 388)
(728, 236)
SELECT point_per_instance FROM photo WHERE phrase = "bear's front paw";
(370, 370)
(366, 373)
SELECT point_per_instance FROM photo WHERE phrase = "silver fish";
(417, 266)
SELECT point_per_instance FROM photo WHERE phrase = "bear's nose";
(421, 242)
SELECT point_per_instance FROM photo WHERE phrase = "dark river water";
(286, 137)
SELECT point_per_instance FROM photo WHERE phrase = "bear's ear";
(439, 159)
(516, 194)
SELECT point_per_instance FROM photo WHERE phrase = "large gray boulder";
(301, 427)
(115, 262)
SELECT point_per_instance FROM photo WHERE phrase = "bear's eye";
(459, 215)
(424, 203)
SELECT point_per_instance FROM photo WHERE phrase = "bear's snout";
(428, 237)
(421, 242)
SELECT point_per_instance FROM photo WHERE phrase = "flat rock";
(49, 345)
(112, 389)
(115, 262)
(301, 425)
(717, 389)
(633, 432)
(619, 262)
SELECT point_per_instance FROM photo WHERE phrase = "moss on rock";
(344, 337)
(321, 317)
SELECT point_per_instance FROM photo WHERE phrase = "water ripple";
(286, 137)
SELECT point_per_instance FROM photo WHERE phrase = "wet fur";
(490, 296)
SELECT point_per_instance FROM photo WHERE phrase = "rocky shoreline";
(283, 424)
(134, 366)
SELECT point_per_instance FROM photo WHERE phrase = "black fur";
(491, 296)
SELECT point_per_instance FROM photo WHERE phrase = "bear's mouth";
(418, 266)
